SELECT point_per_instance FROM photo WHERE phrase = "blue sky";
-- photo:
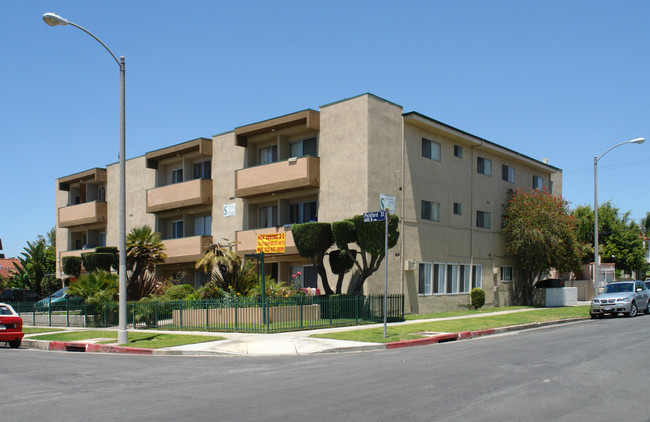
(563, 80)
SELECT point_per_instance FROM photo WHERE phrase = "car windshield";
(619, 288)
(59, 293)
(4, 310)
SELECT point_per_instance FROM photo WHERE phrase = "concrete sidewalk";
(289, 343)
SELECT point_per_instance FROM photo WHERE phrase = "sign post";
(382, 216)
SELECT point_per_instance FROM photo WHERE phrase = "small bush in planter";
(72, 265)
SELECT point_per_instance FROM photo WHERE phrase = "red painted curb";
(69, 346)
(423, 341)
(464, 335)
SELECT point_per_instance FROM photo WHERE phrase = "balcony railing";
(82, 214)
(180, 195)
(287, 175)
(186, 249)
(247, 240)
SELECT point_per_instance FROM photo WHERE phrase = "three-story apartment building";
(329, 164)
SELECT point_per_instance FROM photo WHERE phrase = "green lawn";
(36, 330)
(405, 332)
(136, 339)
(463, 312)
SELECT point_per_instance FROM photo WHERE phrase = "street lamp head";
(53, 19)
(637, 141)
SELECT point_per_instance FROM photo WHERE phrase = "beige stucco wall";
(226, 158)
(139, 178)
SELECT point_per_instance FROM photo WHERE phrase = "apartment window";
(101, 194)
(101, 239)
(458, 151)
(477, 276)
(441, 278)
(268, 154)
(430, 211)
(538, 182)
(269, 216)
(504, 221)
(430, 149)
(177, 176)
(508, 173)
(424, 278)
(303, 148)
(484, 166)
(483, 219)
(464, 280)
(203, 225)
(203, 170)
(550, 187)
(177, 229)
(303, 212)
(458, 208)
(506, 273)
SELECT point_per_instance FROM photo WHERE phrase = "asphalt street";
(593, 370)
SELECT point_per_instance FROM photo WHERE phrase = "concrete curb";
(78, 346)
(465, 335)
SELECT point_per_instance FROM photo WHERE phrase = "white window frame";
(451, 279)
(299, 146)
(507, 173)
(464, 278)
(273, 209)
(484, 166)
(433, 210)
(203, 225)
(486, 219)
(458, 151)
(174, 228)
(507, 272)
(177, 175)
(425, 271)
(538, 182)
(264, 153)
(477, 276)
(435, 150)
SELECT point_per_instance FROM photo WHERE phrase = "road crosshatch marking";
(271, 243)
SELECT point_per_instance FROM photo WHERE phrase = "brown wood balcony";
(82, 214)
(180, 195)
(281, 176)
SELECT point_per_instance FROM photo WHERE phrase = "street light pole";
(596, 159)
(53, 19)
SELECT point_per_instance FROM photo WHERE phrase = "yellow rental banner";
(270, 243)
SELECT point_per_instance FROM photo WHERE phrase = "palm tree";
(228, 271)
(144, 249)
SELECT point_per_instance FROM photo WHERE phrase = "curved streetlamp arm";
(53, 19)
(633, 141)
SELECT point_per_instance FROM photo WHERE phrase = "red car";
(11, 326)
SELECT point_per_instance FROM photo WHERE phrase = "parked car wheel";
(14, 344)
(633, 310)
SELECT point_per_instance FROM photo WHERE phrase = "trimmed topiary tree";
(115, 263)
(313, 240)
(97, 261)
(71, 265)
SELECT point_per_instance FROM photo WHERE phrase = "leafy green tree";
(540, 234)
(228, 271)
(34, 263)
(620, 239)
(99, 284)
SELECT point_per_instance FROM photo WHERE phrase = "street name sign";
(374, 216)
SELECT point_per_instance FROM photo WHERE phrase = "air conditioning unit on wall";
(409, 265)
